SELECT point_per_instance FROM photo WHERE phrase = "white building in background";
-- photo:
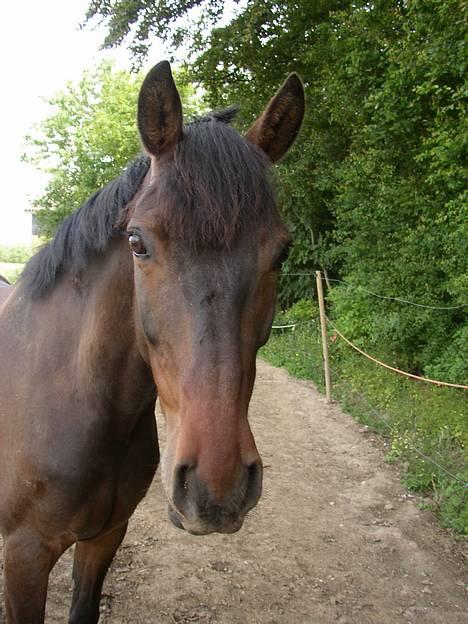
(16, 229)
(21, 183)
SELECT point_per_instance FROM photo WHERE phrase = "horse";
(163, 284)
(4, 288)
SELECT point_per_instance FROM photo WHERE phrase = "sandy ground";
(335, 538)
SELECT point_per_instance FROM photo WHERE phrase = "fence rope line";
(316, 365)
(399, 299)
(297, 274)
(392, 429)
(294, 324)
(392, 368)
(388, 298)
(290, 326)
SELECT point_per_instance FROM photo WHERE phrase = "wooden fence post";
(323, 326)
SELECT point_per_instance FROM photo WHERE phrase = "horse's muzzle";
(195, 509)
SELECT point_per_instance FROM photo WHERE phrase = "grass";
(15, 253)
(410, 414)
(13, 259)
(11, 270)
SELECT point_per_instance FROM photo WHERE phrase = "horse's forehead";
(251, 239)
(214, 263)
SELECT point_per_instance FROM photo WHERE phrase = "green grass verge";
(410, 414)
(15, 253)
(11, 270)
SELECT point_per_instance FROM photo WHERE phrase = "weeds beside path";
(425, 426)
(11, 270)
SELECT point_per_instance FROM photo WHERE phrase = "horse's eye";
(137, 245)
(283, 256)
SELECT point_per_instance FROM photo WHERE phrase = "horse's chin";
(203, 529)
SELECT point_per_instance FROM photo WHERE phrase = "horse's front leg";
(92, 560)
(28, 562)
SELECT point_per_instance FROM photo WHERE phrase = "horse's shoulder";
(5, 292)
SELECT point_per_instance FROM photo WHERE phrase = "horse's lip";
(177, 521)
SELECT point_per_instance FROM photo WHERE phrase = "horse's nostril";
(255, 470)
(254, 484)
(199, 505)
(181, 482)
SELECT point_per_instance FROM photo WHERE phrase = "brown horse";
(163, 283)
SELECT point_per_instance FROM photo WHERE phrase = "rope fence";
(398, 299)
(379, 296)
(293, 324)
(308, 365)
(392, 368)
(326, 320)
(391, 428)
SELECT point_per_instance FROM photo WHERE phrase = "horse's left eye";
(137, 245)
(281, 258)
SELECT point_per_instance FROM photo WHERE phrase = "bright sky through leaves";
(41, 48)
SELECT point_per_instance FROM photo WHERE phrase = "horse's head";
(208, 242)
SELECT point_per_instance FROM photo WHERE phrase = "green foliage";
(450, 360)
(429, 341)
(401, 194)
(296, 349)
(88, 139)
(11, 270)
(411, 415)
(454, 507)
(15, 253)
(12, 260)
(302, 311)
(145, 20)
(289, 344)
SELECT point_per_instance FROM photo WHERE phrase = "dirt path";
(335, 538)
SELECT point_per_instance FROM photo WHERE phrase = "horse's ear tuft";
(275, 130)
(159, 111)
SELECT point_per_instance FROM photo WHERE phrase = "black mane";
(216, 184)
(86, 232)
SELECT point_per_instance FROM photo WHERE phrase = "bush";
(15, 253)
(420, 421)
(11, 270)
(303, 310)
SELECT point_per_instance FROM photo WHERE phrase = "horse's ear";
(275, 130)
(159, 111)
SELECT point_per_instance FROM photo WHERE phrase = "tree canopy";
(88, 139)
(374, 190)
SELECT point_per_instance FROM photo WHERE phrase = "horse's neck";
(5, 291)
(82, 334)
(109, 359)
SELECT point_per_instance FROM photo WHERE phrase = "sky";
(41, 48)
